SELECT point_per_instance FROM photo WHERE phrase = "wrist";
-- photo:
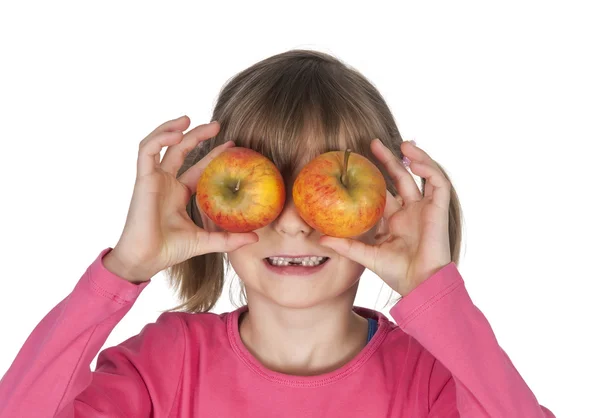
(113, 263)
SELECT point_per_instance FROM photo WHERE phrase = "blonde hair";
(296, 103)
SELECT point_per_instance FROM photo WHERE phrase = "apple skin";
(260, 196)
(331, 207)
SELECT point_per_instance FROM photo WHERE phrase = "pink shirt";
(441, 360)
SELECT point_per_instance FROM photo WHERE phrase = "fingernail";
(413, 142)
(406, 161)
(212, 122)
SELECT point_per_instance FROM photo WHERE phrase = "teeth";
(304, 261)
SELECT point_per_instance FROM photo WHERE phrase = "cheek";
(244, 269)
(349, 269)
(241, 260)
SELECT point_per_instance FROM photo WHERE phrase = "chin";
(291, 301)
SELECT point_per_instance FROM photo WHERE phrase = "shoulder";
(199, 326)
(394, 342)
(393, 347)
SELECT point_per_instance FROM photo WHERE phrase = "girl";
(299, 347)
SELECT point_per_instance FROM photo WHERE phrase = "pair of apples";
(339, 193)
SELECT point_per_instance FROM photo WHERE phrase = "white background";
(505, 95)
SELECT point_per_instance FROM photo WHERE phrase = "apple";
(340, 193)
(241, 190)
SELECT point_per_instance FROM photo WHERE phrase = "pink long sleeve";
(442, 317)
(53, 366)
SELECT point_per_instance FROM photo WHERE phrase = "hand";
(158, 232)
(419, 243)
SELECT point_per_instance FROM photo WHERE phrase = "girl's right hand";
(158, 232)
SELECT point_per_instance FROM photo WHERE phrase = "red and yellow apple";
(340, 193)
(241, 190)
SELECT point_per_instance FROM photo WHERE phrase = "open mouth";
(311, 261)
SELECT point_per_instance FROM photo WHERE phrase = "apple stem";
(237, 186)
(344, 177)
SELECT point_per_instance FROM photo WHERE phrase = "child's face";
(290, 234)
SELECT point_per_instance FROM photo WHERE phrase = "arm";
(51, 377)
(472, 376)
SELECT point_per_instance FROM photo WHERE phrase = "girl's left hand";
(419, 243)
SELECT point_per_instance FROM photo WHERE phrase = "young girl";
(299, 348)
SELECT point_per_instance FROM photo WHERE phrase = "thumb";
(353, 249)
(214, 242)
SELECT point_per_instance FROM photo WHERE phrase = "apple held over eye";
(340, 193)
(241, 190)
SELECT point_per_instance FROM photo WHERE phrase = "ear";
(382, 231)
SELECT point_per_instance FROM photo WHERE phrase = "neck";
(306, 341)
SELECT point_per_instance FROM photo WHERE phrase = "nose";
(289, 221)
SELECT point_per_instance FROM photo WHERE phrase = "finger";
(175, 154)
(175, 125)
(392, 205)
(403, 180)
(149, 152)
(352, 249)
(179, 124)
(192, 174)
(437, 187)
(212, 242)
